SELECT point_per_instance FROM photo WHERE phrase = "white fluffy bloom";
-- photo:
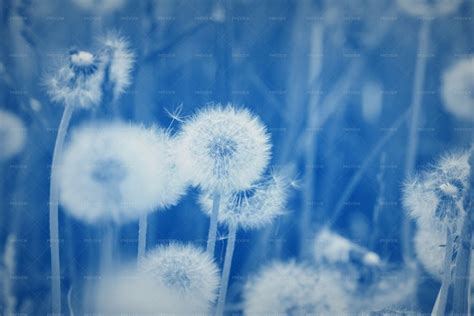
(224, 149)
(118, 60)
(252, 208)
(186, 272)
(435, 196)
(430, 8)
(330, 247)
(101, 6)
(430, 250)
(78, 82)
(458, 89)
(292, 289)
(118, 171)
(12, 135)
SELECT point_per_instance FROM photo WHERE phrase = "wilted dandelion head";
(118, 60)
(186, 271)
(458, 89)
(12, 135)
(118, 171)
(252, 208)
(224, 148)
(293, 289)
(77, 82)
(435, 196)
(430, 248)
(429, 8)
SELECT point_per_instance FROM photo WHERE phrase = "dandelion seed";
(429, 7)
(252, 208)
(118, 172)
(77, 83)
(292, 289)
(118, 60)
(224, 149)
(186, 272)
(12, 135)
(458, 89)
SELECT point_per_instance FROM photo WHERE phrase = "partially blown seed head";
(293, 289)
(118, 171)
(12, 135)
(224, 149)
(252, 208)
(185, 271)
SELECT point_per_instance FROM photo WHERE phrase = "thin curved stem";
(54, 209)
(211, 237)
(229, 253)
(440, 305)
(142, 231)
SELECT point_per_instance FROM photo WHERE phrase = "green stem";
(440, 305)
(54, 210)
(229, 253)
(142, 230)
(211, 237)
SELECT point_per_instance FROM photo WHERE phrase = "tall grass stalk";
(54, 209)
(229, 253)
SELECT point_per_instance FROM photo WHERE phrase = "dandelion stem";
(107, 251)
(142, 230)
(440, 304)
(211, 237)
(229, 253)
(54, 210)
(416, 102)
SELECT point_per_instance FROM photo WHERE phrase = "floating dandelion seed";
(292, 289)
(186, 272)
(458, 89)
(429, 7)
(254, 207)
(224, 149)
(78, 83)
(118, 172)
(12, 135)
(118, 60)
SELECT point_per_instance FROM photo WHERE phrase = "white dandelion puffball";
(437, 193)
(430, 250)
(119, 59)
(134, 293)
(118, 171)
(458, 89)
(101, 6)
(223, 149)
(252, 208)
(430, 8)
(186, 272)
(79, 82)
(293, 289)
(12, 135)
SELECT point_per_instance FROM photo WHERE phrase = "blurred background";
(334, 82)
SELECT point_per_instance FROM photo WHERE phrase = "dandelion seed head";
(252, 208)
(12, 135)
(118, 60)
(458, 89)
(331, 247)
(118, 171)
(185, 271)
(224, 149)
(78, 82)
(429, 7)
(293, 289)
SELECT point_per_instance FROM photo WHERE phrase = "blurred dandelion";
(223, 149)
(458, 89)
(252, 208)
(188, 274)
(294, 289)
(118, 171)
(12, 135)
